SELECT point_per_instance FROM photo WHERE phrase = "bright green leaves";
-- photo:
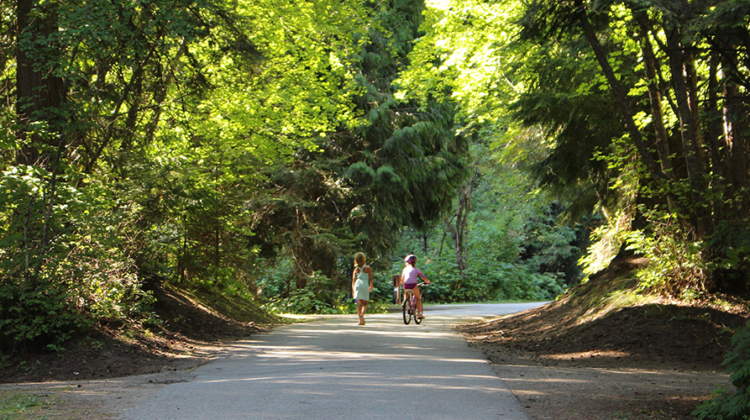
(467, 52)
(295, 85)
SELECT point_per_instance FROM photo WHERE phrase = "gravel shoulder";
(567, 391)
(601, 352)
(93, 399)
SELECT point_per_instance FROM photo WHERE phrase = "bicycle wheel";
(406, 309)
(417, 319)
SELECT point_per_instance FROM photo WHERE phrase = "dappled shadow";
(695, 338)
(325, 369)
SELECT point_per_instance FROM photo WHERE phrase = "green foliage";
(400, 166)
(674, 263)
(250, 147)
(467, 48)
(320, 296)
(606, 240)
(552, 248)
(608, 79)
(516, 248)
(171, 111)
(732, 406)
(306, 301)
(273, 279)
(487, 280)
(56, 280)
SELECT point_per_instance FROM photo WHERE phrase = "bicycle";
(409, 306)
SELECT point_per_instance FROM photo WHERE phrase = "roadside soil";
(106, 372)
(576, 359)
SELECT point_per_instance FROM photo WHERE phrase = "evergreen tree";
(400, 166)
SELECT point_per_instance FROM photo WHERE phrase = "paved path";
(335, 369)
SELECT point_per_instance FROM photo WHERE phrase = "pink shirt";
(410, 274)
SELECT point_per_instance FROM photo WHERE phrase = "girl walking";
(361, 285)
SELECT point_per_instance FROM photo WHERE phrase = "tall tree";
(142, 127)
(400, 166)
(39, 85)
(458, 223)
(688, 37)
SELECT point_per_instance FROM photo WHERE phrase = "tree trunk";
(39, 94)
(688, 131)
(459, 232)
(651, 65)
(300, 247)
(735, 119)
(620, 97)
(217, 246)
(456, 240)
(691, 81)
(714, 132)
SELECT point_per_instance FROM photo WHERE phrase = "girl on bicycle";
(409, 279)
(361, 285)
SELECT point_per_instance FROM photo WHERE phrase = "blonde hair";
(359, 260)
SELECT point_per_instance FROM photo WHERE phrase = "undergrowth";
(726, 405)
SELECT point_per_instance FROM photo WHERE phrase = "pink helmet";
(410, 259)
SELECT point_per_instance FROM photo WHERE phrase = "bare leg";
(408, 293)
(360, 304)
(364, 310)
(419, 301)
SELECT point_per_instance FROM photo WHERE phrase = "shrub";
(736, 406)
(63, 266)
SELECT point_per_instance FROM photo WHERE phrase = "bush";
(63, 266)
(306, 301)
(736, 406)
(488, 280)
(320, 296)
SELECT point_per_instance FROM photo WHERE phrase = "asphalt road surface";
(333, 368)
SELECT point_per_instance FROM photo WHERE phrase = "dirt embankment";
(186, 334)
(591, 355)
(107, 371)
